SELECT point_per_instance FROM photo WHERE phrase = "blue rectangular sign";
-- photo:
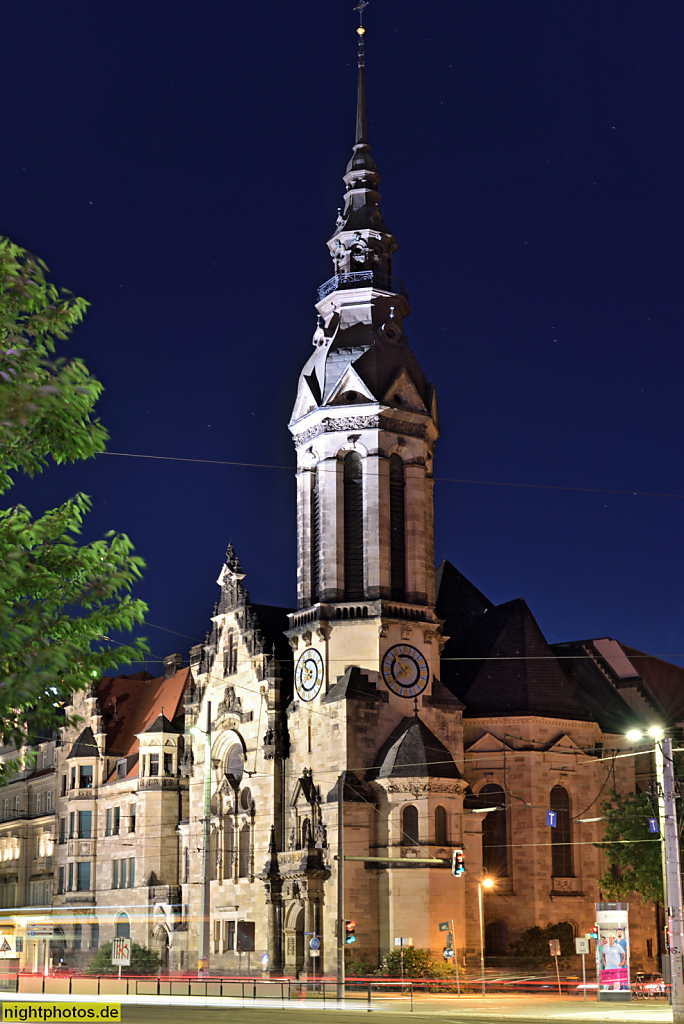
(653, 825)
(551, 818)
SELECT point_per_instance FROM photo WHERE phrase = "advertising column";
(612, 952)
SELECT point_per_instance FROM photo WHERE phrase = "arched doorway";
(294, 939)
(160, 944)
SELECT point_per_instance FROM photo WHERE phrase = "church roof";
(413, 751)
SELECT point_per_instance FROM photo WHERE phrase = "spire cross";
(360, 7)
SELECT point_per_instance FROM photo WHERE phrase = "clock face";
(405, 670)
(309, 674)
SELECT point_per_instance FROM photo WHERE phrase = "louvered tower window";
(397, 529)
(315, 542)
(353, 527)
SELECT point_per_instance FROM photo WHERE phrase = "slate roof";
(411, 751)
(85, 745)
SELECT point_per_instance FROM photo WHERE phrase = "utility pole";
(669, 832)
(205, 923)
(340, 887)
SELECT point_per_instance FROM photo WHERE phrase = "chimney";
(172, 663)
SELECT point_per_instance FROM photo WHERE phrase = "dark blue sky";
(180, 166)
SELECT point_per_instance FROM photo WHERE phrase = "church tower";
(364, 425)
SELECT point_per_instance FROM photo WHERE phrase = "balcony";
(363, 279)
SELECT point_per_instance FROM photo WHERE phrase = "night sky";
(180, 165)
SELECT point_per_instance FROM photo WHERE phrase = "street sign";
(39, 930)
(551, 818)
(653, 825)
(314, 952)
(444, 926)
(264, 961)
(121, 951)
(7, 947)
(554, 947)
(581, 945)
(403, 942)
(314, 943)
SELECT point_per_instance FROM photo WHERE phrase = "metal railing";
(362, 278)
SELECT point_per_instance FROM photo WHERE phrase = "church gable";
(350, 388)
(403, 393)
(486, 744)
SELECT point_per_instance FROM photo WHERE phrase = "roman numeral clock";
(404, 670)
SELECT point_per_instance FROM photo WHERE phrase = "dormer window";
(121, 769)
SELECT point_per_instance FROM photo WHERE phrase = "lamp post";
(672, 879)
(205, 923)
(486, 882)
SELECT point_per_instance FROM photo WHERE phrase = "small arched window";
(409, 826)
(494, 830)
(353, 527)
(397, 529)
(123, 926)
(440, 826)
(235, 762)
(561, 835)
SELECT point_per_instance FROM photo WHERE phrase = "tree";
(535, 941)
(60, 600)
(634, 852)
(143, 961)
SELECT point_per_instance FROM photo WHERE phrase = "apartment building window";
(5, 808)
(45, 759)
(39, 803)
(62, 831)
(131, 818)
(108, 826)
(72, 824)
(64, 784)
(48, 801)
(17, 805)
(131, 872)
(94, 936)
(154, 764)
(123, 874)
(86, 776)
(117, 821)
(228, 936)
(85, 824)
(121, 769)
(73, 777)
(60, 880)
(83, 876)
(78, 935)
(217, 936)
(71, 876)
(47, 893)
(115, 874)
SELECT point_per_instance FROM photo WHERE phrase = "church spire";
(361, 116)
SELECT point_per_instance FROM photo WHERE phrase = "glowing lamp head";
(656, 732)
(195, 731)
(487, 882)
(634, 735)
(360, 31)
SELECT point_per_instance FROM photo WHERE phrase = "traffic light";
(457, 862)
(594, 933)
(349, 932)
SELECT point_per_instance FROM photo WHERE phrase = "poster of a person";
(613, 952)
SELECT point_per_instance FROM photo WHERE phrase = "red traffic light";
(350, 928)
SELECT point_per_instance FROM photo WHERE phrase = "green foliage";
(143, 961)
(418, 963)
(59, 600)
(633, 850)
(534, 942)
(360, 968)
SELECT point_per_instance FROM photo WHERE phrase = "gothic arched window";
(409, 826)
(123, 926)
(244, 851)
(494, 830)
(440, 826)
(561, 835)
(397, 529)
(235, 762)
(353, 527)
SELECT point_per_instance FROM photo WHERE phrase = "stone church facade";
(446, 720)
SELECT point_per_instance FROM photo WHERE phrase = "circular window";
(246, 799)
(350, 396)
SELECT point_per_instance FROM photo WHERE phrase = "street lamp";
(672, 879)
(205, 929)
(486, 882)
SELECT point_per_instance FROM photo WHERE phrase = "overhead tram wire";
(437, 479)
